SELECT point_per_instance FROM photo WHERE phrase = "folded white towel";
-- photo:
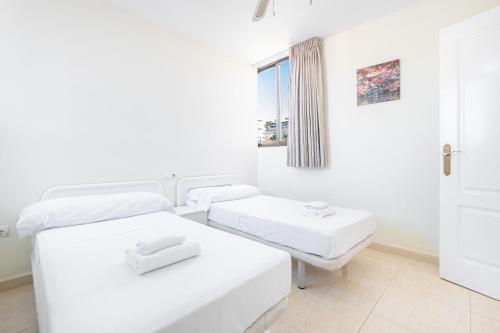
(142, 264)
(317, 213)
(158, 243)
(316, 205)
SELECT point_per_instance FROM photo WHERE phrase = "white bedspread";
(84, 284)
(278, 220)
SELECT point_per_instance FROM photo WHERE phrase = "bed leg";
(301, 274)
(344, 271)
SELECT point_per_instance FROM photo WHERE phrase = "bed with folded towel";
(156, 243)
(279, 220)
(314, 232)
(317, 209)
(159, 251)
(148, 271)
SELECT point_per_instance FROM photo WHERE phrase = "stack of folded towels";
(160, 251)
(317, 209)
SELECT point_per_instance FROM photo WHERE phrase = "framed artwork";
(379, 83)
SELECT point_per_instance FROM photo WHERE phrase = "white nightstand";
(192, 213)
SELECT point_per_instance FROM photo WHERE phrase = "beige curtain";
(306, 133)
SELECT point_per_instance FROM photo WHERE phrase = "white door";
(470, 123)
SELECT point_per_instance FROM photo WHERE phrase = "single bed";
(82, 283)
(328, 243)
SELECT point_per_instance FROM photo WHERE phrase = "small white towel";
(143, 264)
(317, 213)
(158, 243)
(316, 205)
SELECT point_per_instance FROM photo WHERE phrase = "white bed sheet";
(278, 220)
(85, 285)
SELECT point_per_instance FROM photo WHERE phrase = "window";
(272, 121)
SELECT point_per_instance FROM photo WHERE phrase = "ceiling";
(228, 26)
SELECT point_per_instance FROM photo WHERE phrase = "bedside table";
(192, 213)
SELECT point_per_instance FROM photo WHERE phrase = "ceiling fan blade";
(260, 10)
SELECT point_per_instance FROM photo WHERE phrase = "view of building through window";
(273, 104)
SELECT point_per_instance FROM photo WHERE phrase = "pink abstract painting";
(379, 83)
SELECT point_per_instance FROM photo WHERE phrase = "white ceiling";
(228, 26)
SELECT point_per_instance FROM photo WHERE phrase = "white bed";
(276, 220)
(328, 243)
(83, 284)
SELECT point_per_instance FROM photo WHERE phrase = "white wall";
(91, 93)
(383, 157)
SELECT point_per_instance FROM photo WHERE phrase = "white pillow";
(69, 211)
(202, 197)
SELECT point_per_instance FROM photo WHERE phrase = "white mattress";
(84, 285)
(278, 220)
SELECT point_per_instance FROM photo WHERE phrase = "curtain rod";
(272, 64)
(271, 59)
(279, 56)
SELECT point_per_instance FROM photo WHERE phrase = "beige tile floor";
(382, 293)
(386, 293)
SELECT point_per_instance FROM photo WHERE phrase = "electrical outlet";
(4, 231)
(170, 175)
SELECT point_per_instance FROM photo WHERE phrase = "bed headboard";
(102, 188)
(186, 184)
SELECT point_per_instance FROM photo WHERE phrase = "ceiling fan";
(261, 9)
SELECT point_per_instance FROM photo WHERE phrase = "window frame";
(276, 64)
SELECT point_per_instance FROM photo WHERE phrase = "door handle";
(447, 152)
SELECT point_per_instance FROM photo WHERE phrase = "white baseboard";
(16, 281)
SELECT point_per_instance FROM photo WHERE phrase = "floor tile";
(32, 329)
(310, 313)
(418, 313)
(282, 327)
(485, 306)
(378, 270)
(15, 295)
(433, 316)
(376, 324)
(396, 305)
(484, 325)
(338, 317)
(17, 309)
(353, 289)
(421, 266)
(429, 285)
(303, 310)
